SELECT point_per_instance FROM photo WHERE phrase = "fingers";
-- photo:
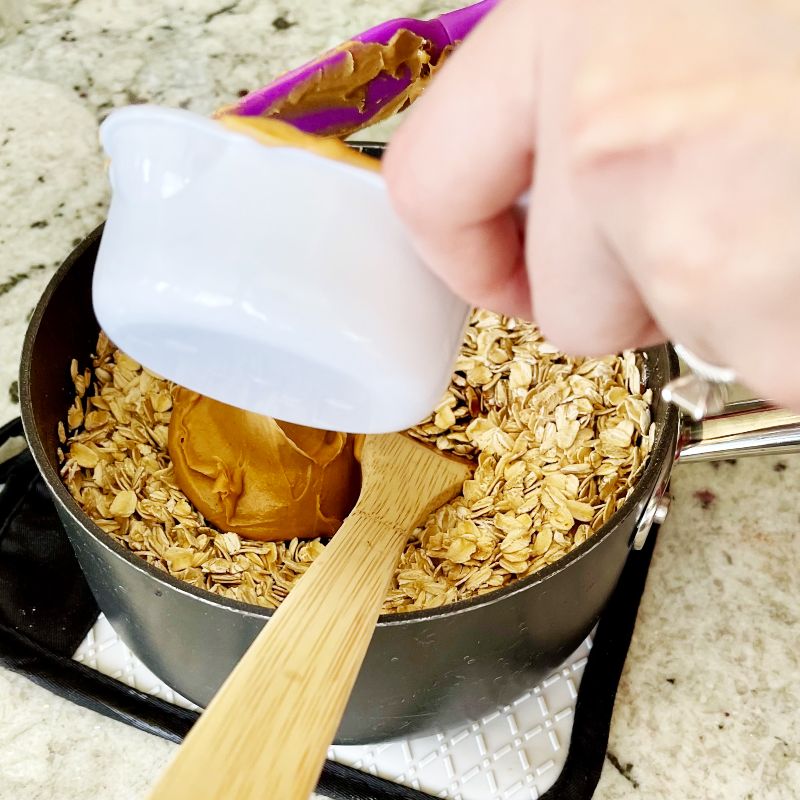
(663, 180)
(463, 157)
(466, 154)
(583, 299)
(715, 249)
(688, 162)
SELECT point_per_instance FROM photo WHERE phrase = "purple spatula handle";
(346, 117)
(459, 23)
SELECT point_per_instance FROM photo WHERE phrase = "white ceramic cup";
(269, 278)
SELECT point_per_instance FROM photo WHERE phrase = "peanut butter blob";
(258, 477)
(276, 133)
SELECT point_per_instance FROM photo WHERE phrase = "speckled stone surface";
(709, 705)
(709, 702)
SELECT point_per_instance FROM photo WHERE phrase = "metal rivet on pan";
(654, 515)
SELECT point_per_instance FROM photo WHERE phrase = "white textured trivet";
(515, 753)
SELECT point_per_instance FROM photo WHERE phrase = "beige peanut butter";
(274, 133)
(258, 477)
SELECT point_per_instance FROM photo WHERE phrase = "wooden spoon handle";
(266, 733)
(320, 631)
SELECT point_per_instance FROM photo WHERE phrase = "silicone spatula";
(375, 80)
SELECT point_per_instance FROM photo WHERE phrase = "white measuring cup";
(269, 278)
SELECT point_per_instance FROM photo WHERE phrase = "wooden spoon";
(266, 733)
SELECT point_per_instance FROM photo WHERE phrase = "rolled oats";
(558, 444)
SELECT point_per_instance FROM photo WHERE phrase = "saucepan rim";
(665, 446)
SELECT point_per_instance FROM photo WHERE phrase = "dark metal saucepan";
(424, 669)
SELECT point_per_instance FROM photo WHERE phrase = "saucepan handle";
(745, 428)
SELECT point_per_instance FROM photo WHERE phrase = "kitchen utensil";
(375, 94)
(267, 731)
(422, 670)
(329, 319)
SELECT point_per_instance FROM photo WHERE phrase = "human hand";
(661, 147)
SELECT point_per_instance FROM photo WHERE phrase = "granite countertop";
(708, 703)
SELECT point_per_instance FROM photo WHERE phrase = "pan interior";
(64, 327)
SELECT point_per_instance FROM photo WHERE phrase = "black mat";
(46, 610)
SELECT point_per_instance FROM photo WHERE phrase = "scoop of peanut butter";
(258, 477)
